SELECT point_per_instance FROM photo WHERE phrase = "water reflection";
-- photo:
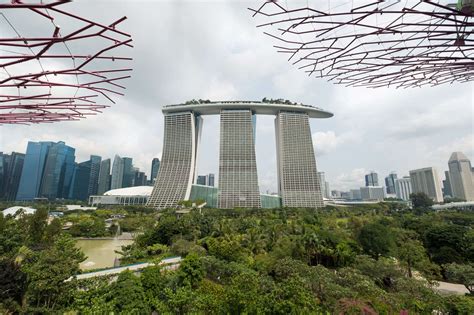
(100, 253)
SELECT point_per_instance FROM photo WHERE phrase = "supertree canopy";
(56, 65)
(375, 43)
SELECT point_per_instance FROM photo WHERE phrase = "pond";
(101, 252)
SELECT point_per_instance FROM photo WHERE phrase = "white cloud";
(327, 141)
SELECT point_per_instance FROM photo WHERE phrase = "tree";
(462, 274)
(128, 296)
(411, 253)
(421, 200)
(376, 240)
(191, 271)
(13, 284)
(47, 271)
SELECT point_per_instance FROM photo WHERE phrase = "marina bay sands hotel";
(298, 183)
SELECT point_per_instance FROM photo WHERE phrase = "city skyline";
(383, 130)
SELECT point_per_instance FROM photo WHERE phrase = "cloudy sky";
(212, 50)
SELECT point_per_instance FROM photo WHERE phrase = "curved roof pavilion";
(259, 108)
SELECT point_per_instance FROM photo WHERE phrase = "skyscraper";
(155, 167)
(371, 179)
(201, 180)
(140, 178)
(299, 185)
(460, 175)
(58, 171)
(447, 190)
(128, 172)
(426, 180)
(238, 182)
(322, 181)
(13, 175)
(390, 183)
(81, 180)
(210, 180)
(93, 185)
(403, 188)
(3, 173)
(178, 163)
(104, 177)
(117, 173)
(32, 173)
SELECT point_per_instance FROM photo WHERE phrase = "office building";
(140, 178)
(390, 183)
(93, 186)
(426, 180)
(322, 181)
(327, 192)
(403, 188)
(460, 175)
(355, 194)
(372, 193)
(117, 173)
(32, 172)
(155, 167)
(211, 180)
(3, 173)
(371, 179)
(299, 185)
(201, 180)
(58, 171)
(80, 181)
(104, 177)
(238, 183)
(128, 172)
(13, 174)
(447, 190)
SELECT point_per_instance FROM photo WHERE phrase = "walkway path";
(169, 263)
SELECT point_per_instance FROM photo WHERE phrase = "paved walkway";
(168, 262)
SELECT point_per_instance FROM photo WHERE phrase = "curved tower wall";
(238, 181)
(298, 182)
(178, 163)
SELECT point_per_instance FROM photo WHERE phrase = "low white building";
(372, 193)
(15, 209)
(123, 196)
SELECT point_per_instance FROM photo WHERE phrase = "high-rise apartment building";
(403, 188)
(117, 173)
(426, 180)
(460, 175)
(58, 171)
(155, 167)
(104, 177)
(371, 179)
(390, 183)
(32, 172)
(238, 182)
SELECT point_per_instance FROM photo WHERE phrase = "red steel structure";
(375, 43)
(53, 74)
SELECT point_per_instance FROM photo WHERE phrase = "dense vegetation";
(357, 260)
